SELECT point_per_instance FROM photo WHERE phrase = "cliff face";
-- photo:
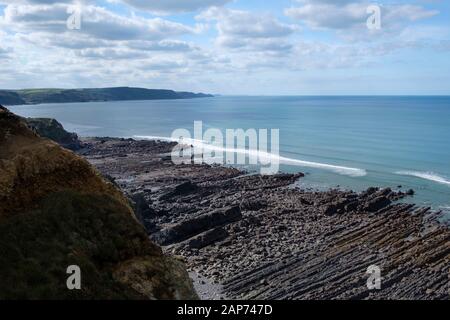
(52, 129)
(10, 98)
(57, 211)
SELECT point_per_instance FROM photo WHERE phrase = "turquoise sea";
(391, 141)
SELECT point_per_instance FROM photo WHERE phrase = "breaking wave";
(425, 175)
(265, 157)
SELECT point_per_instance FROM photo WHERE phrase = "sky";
(230, 47)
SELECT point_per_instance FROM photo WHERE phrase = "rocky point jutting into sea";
(259, 237)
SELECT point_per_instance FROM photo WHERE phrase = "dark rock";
(181, 189)
(300, 252)
(410, 192)
(110, 179)
(53, 130)
(352, 206)
(143, 212)
(206, 238)
(253, 205)
(370, 191)
(191, 227)
(383, 192)
(304, 201)
(377, 204)
(330, 210)
(252, 220)
(166, 158)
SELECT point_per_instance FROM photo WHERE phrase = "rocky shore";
(259, 237)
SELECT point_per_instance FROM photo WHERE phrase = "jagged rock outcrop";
(56, 211)
(53, 130)
(191, 227)
(144, 213)
(181, 189)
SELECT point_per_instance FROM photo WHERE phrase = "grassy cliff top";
(55, 95)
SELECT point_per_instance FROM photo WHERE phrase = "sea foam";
(265, 157)
(425, 175)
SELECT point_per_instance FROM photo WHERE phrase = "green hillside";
(36, 96)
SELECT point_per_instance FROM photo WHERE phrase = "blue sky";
(272, 47)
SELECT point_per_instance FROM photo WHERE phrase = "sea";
(346, 142)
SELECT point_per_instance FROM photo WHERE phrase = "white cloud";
(163, 45)
(96, 22)
(241, 50)
(36, 1)
(348, 14)
(5, 53)
(109, 49)
(242, 29)
(173, 6)
(111, 54)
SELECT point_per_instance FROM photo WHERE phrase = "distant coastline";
(38, 96)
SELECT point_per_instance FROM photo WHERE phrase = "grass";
(70, 229)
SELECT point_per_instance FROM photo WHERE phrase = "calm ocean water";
(392, 140)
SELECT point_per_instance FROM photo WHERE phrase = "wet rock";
(377, 204)
(370, 191)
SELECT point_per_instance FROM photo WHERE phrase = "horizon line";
(246, 94)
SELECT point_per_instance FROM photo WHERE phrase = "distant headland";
(37, 96)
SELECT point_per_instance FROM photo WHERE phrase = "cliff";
(36, 96)
(53, 130)
(57, 211)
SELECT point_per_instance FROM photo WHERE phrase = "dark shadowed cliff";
(56, 211)
(53, 130)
